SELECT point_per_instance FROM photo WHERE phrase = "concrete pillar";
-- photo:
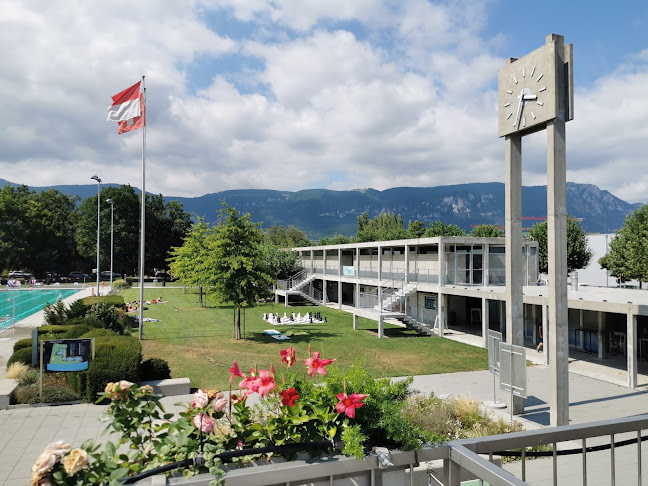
(380, 263)
(276, 298)
(355, 322)
(441, 262)
(381, 327)
(357, 263)
(485, 302)
(324, 291)
(514, 258)
(324, 260)
(339, 262)
(545, 336)
(339, 294)
(380, 298)
(406, 263)
(312, 260)
(485, 266)
(631, 344)
(601, 335)
(441, 312)
(557, 263)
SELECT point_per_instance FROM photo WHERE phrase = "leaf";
(119, 473)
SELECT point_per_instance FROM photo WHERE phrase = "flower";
(124, 385)
(288, 397)
(76, 460)
(110, 388)
(219, 403)
(47, 459)
(316, 364)
(288, 356)
(211, 394)
(266, 382)
(251, 385)
(204, 422)
(348, 403)
(235, 371)
(200, 399)
(147, 390)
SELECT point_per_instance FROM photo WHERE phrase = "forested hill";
(320, 212)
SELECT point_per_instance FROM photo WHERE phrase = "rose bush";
(318, 405)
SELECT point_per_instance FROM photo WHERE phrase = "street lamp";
(96, 178)
(112, 213)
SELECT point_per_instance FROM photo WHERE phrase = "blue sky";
(299, 94)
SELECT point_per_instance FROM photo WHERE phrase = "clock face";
(527, 92)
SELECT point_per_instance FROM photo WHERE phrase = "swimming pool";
(28, 302)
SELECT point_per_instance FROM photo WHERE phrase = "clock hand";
(519, 109)
(529, 97)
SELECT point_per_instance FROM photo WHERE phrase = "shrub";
(16, 370)
(55, 331)
(111, 317)
(77, 309)
(95, 333)
(55, 314)
(27, 394)
(154, 369)
(111, 300)
(129, 281)
(23, 355)
(116, 358)
(54, 394)
(77, 331)
(120, 283)
(29, 377)
(22, 343)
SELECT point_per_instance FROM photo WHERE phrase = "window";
(430, 302)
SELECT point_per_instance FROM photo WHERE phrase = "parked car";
(105, 275)
(78, 276)
(20, 275)
(161, 275)
(51, 277)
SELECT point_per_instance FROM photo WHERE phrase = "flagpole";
(142, 219)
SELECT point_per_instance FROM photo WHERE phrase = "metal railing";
(420, 314)
(424, 275)
(473, 458)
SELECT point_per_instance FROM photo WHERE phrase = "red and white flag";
(128, 109)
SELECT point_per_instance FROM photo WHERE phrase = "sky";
(300, 94)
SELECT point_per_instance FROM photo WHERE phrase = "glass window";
(430, 302)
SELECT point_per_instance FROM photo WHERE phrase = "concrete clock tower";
(536, 93)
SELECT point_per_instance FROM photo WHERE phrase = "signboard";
(348, 271)
(65, 355)
(513, 371)
(494, 340)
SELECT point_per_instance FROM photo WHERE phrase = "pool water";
(28, 302)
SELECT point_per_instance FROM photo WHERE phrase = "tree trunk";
(200, 298)
(238, 323)
(234, 324)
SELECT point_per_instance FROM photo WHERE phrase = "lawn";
(197, 342)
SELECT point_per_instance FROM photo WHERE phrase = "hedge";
(154, 369)
(116, 300)
(22, 343)
(116, 358)
(23, 355)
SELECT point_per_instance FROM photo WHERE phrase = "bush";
(120, 283)
(23, 355)
(77, 331)
(55, 332)
(27, 394)
(116, 358)
(77, 309)
(22, 343)
(29, 377)
(129, 281)
(16, 370)
(154, 369)
(95, 333)
(111, 317)
(53, 394)
(111, 300)
(55, 314)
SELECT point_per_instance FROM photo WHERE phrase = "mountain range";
(322, 212)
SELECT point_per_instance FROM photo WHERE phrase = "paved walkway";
(25, 431)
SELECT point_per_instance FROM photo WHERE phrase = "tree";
(578, 253)
(415, 229)
(240, 276)
(487, 231)
(438, 228)
(282, 237)
(336, 240)
(384, 227)
(282, 263)
(627, 257)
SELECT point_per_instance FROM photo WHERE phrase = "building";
(457, 284)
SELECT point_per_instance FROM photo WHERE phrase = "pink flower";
(266, 382)
(348, 403)
(204, 422)
(47, 460)
(200, 399)
(316, 364)
(234, 371)
(219, 403)
(288, 397)
(239, 444)
(251, 385)
(125, 385)
(288, 356)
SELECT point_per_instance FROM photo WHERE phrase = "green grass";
(197, 342)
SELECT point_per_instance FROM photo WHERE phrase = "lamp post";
(98, 179)
(112, 214)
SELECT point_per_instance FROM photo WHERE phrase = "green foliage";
(111, 317)
(385, 226)
(283, 237)
(120, 283)
(337, 240)
(353, 440)
(154, 369)
(438, 228)
(22, 343)
(77, 331)
(55, 314)
(578, 253)
(281, 263)
(23, 355)
(415, 229)
(114, 300)
(29, 377)
(487, 231)
(94, 333)
(627, 257)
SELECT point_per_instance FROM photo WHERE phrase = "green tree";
(415, 229)
(578, 253)
(384, 227)
(337, 240)
(487, 231)
(439, 228)
(282, 263)
(283, 237)
(240, 276)
(627, 257)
